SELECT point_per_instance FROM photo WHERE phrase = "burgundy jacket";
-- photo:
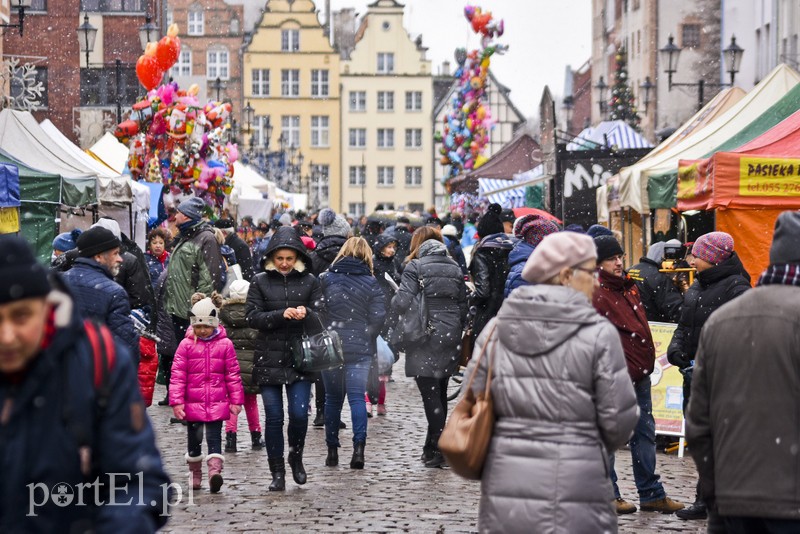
(618, 299)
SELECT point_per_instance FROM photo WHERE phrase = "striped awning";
(499, 191)
(608, 134)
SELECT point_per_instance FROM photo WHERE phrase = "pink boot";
(195, 464)
(215, 463)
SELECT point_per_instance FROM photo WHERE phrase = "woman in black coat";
(433, 361)
(281, 304)
(355, 308)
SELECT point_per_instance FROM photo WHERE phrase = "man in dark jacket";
(661, 298)
(720, 278)
(402, 232)
(489, 267)
(742, 418)
(97, 295)
(51, 410)
(243, 256)
(618, 300)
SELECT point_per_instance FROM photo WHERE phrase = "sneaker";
(381, 409)
(664, 506)
(369, 409)
(623, 506)
(696, 511)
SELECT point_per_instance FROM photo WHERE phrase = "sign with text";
(9, 220)
(666, 384)
(769, 177)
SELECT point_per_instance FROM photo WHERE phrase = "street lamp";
(732, 57)
(20, 6)
(601, 87)
(218, 86)
(147, 31)
(86, 37)
(647, 86)
(568, 105)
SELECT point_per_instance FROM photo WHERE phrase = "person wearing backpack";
(72, 413)
(434, 358)
(205, 387)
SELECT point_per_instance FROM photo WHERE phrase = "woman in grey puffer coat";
(562, 399)
(434, 361)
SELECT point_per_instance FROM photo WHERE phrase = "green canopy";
(662, 189)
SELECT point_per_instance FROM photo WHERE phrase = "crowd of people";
(565, 328)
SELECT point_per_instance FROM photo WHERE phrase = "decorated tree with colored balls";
(622, 105)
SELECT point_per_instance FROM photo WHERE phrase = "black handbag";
(317, 352)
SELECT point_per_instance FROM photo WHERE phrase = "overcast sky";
(544, 37)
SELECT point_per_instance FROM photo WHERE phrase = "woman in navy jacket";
(355, 308)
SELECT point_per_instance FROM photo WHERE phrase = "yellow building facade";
(387, 114)
(291, 80)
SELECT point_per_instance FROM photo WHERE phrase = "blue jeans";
(643, 449)
(298, 395)
(350, 379)
(213, 431)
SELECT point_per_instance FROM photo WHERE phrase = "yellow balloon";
(481, 113)
(480, 160)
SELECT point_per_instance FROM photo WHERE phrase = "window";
(413, 100)
(183, 67)
(417, 207)
(319, 131)
(385, 62)
(38, 5)
(290, 82)
(385, 175)
(98, 86)
(111, 6)
(217, 64)
(690, 35)
(290, 40)
(40, 76)
(260, 82)
(196, 21)
(385, 137)
(357, 209)
(385, 100)
(358, 100)
(413, 138)
(290, 125)
(319, 82)
(413, 176)
(358, 175)
(260, 123)
(358, 137)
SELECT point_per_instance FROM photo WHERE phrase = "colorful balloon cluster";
(175, 140)
(467, 126)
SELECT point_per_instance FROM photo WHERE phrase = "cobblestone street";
(393, 493)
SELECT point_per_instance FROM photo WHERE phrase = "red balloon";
(167, 52)
(148, 72)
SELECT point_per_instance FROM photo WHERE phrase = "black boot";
(437, 460)
(333, 457)
(230, 441)
(698, 510)
(257, 442)
(319, 419)
(357, 462)
(427, 449)
(278, 470)
(295, 460)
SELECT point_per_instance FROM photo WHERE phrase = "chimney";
(445, 68)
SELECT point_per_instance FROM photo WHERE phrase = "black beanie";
(607, 247)
(21, 276)
(490, 223)
(96, 240)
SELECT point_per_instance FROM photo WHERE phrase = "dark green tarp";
(534, 196)
(662, 189)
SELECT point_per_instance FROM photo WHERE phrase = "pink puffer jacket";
(205, 377)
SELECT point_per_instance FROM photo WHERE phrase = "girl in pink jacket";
(205, 387)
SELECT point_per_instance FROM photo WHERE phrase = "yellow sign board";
(666, 384)
(769, 177)
(9, 220)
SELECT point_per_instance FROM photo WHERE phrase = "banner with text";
(666, 383)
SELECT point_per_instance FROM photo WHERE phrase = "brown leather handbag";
(465, 439)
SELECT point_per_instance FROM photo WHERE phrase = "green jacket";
(196, 265)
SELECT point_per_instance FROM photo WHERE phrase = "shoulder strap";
(103, 359)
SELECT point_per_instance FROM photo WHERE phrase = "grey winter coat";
(446, 298)
(234, 316)
(563, 400)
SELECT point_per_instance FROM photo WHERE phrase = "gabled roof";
(445, 98)
(520, 154)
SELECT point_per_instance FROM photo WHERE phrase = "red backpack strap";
(103, 357)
